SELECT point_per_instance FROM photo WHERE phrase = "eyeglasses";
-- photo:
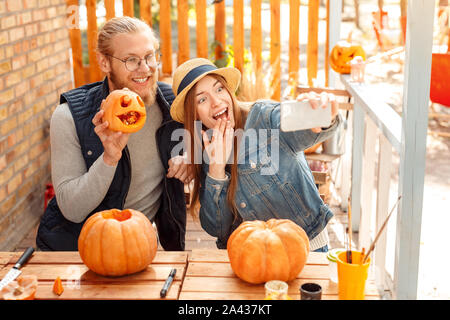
(152, 60)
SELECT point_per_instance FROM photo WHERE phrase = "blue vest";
(56, 233)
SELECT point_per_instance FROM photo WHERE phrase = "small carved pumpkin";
(262, 251)
(124, 111)
(115, 243)
(23, 288)
(341, 55)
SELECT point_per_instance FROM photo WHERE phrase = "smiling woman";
(234, 185)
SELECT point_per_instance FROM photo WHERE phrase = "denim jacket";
(274, 178)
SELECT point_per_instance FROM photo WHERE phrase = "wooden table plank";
(123, 291)
(4, 258)
(198, 269)
(81, 283)
(246, 296)
(238, 287)
(72, 257)
(209, 276)
(81, 272)
(221, 255)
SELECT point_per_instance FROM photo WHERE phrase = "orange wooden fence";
(85, 74)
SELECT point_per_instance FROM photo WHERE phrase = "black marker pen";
(168, 282)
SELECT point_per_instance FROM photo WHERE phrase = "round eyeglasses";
(152, 60)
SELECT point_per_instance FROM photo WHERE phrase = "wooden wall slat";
(94, 70)
(275, 47)
(294, 43)
(220, 28)
(145, 10)
(75, 43)
(110, 9)
(201, 29)
(238, 34)
(183, 31)
(256, 34)
(165, 32)
(128, 8)
(313, 34)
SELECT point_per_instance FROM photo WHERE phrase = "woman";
(237, 179)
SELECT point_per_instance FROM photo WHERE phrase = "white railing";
(405, 134)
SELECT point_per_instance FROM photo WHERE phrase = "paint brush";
(349, 251)
(372, 246)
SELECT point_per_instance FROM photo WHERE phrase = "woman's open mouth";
(223, 114)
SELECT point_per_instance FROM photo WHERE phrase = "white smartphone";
(299, 115)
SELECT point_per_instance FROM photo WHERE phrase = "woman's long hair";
(190, 116)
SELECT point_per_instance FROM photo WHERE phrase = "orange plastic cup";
(352, 277)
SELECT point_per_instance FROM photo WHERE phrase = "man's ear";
(104, 63)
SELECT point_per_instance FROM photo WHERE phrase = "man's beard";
(148, 98)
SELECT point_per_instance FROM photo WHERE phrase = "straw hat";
(189, 73)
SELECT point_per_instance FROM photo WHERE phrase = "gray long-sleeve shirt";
(79, 191)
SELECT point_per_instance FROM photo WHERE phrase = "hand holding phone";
(299, 115)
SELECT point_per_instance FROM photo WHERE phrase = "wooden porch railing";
(405, 134)
(238, 41)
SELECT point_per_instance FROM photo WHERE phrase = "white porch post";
(334, 35)
(413, 146)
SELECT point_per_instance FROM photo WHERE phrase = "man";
(94, 168)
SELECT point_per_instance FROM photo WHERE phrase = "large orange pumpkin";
(124, 111)
(262, 251)
(23, 288)
(116, 243)
(341, 55)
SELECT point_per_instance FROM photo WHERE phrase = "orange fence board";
(128, 8)
(256, 34)
(238, 34)
(165, 32)
(183, 31)
(94, 70)
(145, 10)
(294, 43)
(275, 47)
(220, 29)
(313, 43)
(201, 29)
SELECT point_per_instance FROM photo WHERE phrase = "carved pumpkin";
(23, 288)
(341, 55)
(124, 111)
(116, 243)
(262, 251)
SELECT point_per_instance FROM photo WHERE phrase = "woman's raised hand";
(320, 101)
(219, 147)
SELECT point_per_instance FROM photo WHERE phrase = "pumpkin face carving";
(262, 251)
(116, 243)
(124, 111)
(341, 55)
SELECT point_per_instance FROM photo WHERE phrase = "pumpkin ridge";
(101, 246)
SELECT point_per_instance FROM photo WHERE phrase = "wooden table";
(81, 283)
(202, 274)
(209, 276)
